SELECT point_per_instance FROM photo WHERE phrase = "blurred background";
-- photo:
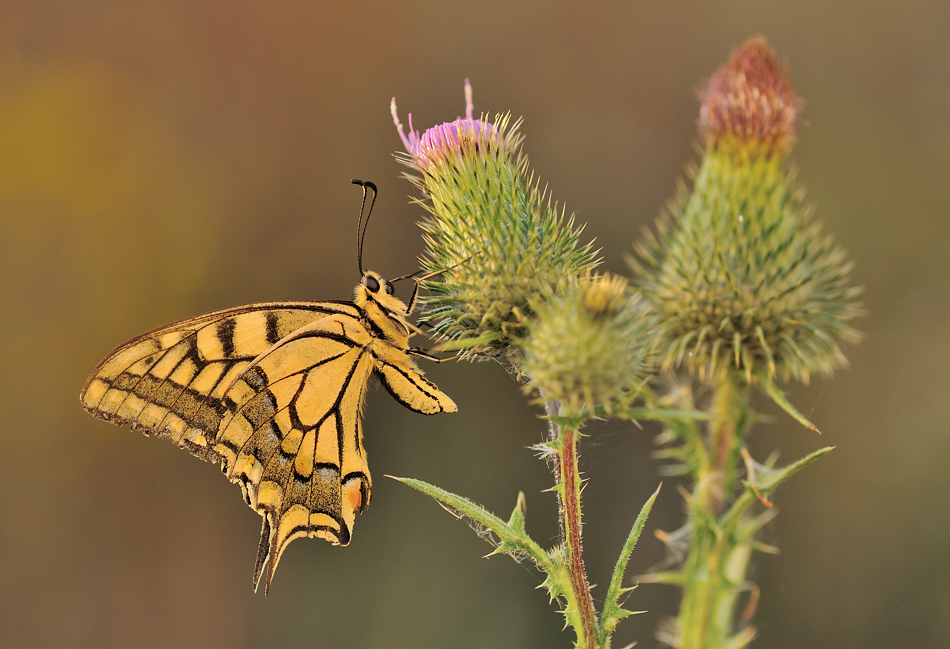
(163, 159)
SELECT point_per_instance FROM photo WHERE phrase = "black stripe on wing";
(186, 407)
(322, 492)
(196, 323)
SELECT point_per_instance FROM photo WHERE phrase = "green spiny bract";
(507, 247)
(739, 272)
(589, 346)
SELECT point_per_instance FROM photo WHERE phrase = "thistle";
(739, 287)
(738, 269)
(516, 285)
(589, 346)
(747, 289)
(508, 246)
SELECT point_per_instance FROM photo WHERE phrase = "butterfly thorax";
(384, 315)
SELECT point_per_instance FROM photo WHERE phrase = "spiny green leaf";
(613, 611)
(674, 577)
(664, 414)
(741, 639)
(468, 343)
(750, 526)
(556, 584)
(557, 489)
(516, 521)
(764, 483)
(782, 402)
(767, 482)
(512, 538)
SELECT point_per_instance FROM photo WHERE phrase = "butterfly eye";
(371, 283)
(389, 289)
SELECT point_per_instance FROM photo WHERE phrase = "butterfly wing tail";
(263, 549)
(316, 479)
(326, 509)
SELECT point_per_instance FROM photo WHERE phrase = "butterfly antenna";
(360, 226)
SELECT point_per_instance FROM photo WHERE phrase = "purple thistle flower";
(449, 137)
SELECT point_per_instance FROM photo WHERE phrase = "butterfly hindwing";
(295, 445)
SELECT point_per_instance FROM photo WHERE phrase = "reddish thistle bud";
(751, 98)
(741, 274)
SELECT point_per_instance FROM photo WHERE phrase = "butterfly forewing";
(274, 392)
(169, 381)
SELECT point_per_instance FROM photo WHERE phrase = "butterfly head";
(374, 288)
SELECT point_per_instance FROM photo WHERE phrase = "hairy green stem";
(571, 526)
(717, 562)
(569, 508)
(730, 410)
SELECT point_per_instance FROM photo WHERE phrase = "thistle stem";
(569, 508)
(725, 439)
(571, 530)
(717, 562)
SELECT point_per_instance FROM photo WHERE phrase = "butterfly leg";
(424, 353)
(419, 280)
(415, 295)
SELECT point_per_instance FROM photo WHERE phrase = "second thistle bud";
(741, 275)
(588, 346)
(508, 249)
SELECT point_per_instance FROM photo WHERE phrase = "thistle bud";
(588, 346)
(739, 271)
(750, 100)
(507, 246)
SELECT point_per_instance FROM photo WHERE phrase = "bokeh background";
(163, 159)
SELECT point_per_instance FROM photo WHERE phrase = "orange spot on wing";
(354, 497)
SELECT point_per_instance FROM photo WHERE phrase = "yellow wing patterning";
(274, 393)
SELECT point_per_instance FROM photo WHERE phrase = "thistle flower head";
(507, 246)
(589, 345)
(448, 139)
(750, 99)
(741, 274)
